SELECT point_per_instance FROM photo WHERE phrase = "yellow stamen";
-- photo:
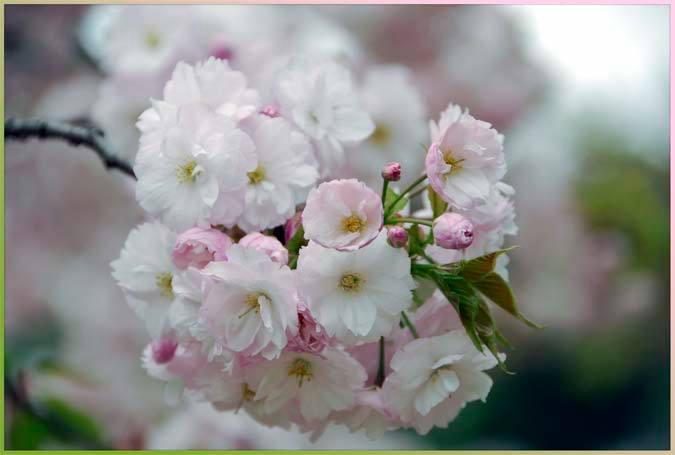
(164, 281)
(186, 172)
(381, 135)
(302, 369)
(351, 282)
(452, 161)
(251, 300)
(256, 176)
(353, 224)
(152, 40)
(248, 393)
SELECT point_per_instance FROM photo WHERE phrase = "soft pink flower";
(311, 336)
(465, 160)
(342, 214)
(266, 244)
(197, 247)
(453, 231)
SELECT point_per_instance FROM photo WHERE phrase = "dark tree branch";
(23, 129)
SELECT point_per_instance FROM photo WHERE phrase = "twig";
(409, 324)
(23, 129)
(379, 379)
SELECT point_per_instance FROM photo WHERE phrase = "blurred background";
(581, 94)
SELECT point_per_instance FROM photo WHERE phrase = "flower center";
(302, 369)
(152, 40)
(353, 224)
(452, 161)
(185, 173)
(248, 393)
(351, 282)
(256, 176)
(381, 135)
(252, 301)
(163, 281)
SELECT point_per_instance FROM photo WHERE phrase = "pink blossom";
(266, 244)
(311, 336)
(198, 246)
(342, 214)
(453, 231)
(465, 160)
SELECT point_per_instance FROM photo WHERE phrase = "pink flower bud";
(221, 49)
(311, 336)
(271, 111)
(163, 350)
(266, 244)
(453, 231)
(392, 171)
(292, 226)
(397, 236)
(197, 247)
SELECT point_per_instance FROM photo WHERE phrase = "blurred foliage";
(572, 395)
(52, 423)
(41, 422)
(618, 189)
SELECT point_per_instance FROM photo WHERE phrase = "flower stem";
(385, 186)
(409, 324)
(410, 220)
(379, 379)
(417, 192)
(403, 193)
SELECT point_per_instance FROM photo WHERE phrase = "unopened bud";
(163, 350)
(392, 171)
(452, 231)
(397, 236)
(270, 111)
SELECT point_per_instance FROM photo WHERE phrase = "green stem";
(410, 220)
(385, 185)
(379, 379)
(403, 193)
(409, 324)
(417, 193)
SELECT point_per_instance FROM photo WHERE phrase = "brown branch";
(23, 129)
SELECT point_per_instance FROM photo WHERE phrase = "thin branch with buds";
(23, 129)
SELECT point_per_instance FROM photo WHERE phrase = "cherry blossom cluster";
(270, 287)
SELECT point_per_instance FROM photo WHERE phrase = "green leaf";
(488, 333)
(390, 197)
(27, 432)
(73, 425)
(438, 205)
(462, 296)
(475, 269)
(415, 241)
(425, 288)
(495, 288)
(297, 241)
